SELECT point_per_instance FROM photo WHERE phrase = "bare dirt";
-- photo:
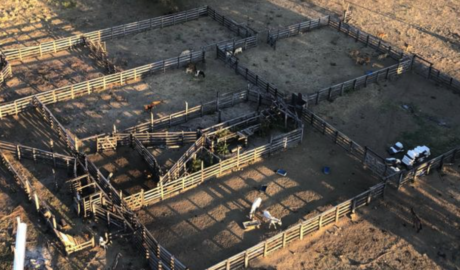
(39, 74)
(300, 64)
(410, 109)
(383, 237)
(377, 239)
(30, 129)
(206, 222)
(123, 106)
(137, 50)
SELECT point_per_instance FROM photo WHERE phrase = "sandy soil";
(311, 61)
(30, 129)
(35, 75)
(382, 236)
(376, 117)
(206, 222)
(124, 106)
(429, 28)
(136, 50)
(129, 169)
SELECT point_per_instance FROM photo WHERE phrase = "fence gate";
(106, 143)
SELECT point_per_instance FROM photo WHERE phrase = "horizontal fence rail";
(295, 29)
(55, 125)
(405, 176)
(335, 91)
(365, 38)
(427, 70)
(106, 34)
(22, 151)
(301, 230)
(187, 182)
(102, 83)
(369, 158)
(5, 71)
(253, 78)
(40, 204)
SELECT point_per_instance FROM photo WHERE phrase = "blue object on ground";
(326, 170)
(281, 172)
(263, 188)
(369, 72)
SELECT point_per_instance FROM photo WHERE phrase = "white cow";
(184, 53)
(238, 51)
(254, 207)
(272, 220)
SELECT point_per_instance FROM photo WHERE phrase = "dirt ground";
(382, 236)
(429, 28)
(137, 50)
(39, 74)
(124, 106)
(312, 61)
(206, 222)
(30, 129)
(410, 110)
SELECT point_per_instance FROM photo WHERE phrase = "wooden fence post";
(301, 231)
(202, 171)
(265, 248)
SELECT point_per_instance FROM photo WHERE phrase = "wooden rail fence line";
(106, 34)
(100, 54)
(71, 142)
(130, 28)
(427, 70)
(363, 154)
(147, 156)
(338, 90)
(5, 71)
(293, 30)
(249, 76)
(110, 206)
(175, 187)
(301, 230)
(405, 176)
(99, 84)
(35, 154)
(39, 203)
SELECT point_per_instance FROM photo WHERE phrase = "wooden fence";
(301, 230)
(367, 39)
(295, 29)
(99, 84)
(427, 70)
(22, 151)
(230, 24)
(100, 54)
(5, 72)
(223, 101)
(115, 212)
(363, 154)
(178, 169)
(39, 203)
(335, 91)
(157, 138)
(106, 34)
(402, 177)
(148, 157)
(55, 125)
(251, 77)
(187, 182)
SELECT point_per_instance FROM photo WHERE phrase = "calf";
(152, 105)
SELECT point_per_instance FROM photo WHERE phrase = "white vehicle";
(397, 148)
(416, 155)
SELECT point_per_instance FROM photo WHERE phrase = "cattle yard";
(115, 143)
